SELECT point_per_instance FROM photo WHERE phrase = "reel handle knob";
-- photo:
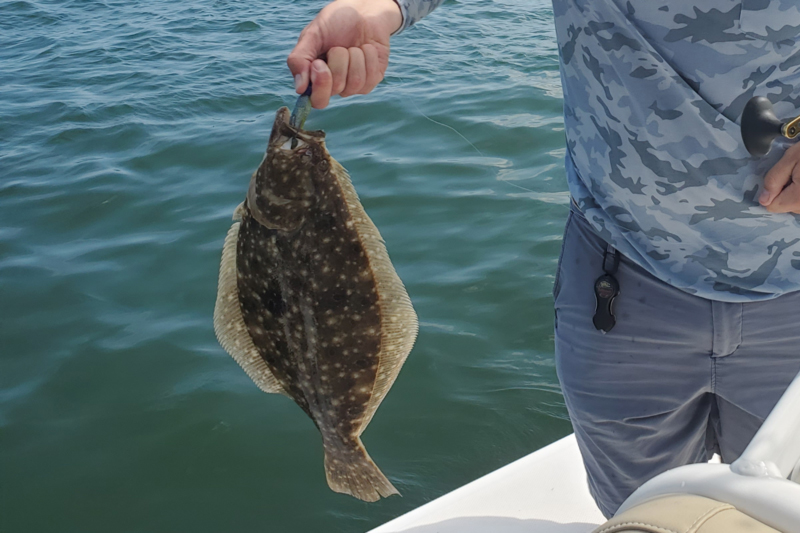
(760, 126)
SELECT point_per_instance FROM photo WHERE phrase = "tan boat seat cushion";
(684, 513)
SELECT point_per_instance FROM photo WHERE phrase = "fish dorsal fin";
(398, 321)
(228, 322)
(239, 212)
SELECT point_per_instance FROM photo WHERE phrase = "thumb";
(776, 179)
(307, 49)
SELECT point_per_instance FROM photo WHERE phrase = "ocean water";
(128, 133)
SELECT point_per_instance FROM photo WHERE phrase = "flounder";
(309, 304)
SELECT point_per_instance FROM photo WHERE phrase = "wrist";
(386, 13)
(395, 16)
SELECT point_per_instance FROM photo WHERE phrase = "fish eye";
(293, 143)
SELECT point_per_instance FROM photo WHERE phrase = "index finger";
(307, 49)
(779, 175)
(788, 201)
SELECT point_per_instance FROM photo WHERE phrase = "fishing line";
(460, 135)
(440, 123)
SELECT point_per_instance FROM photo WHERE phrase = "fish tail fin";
(350, 470)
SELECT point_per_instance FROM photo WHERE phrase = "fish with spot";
(309, 303)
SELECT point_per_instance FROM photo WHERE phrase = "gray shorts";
(677, 379)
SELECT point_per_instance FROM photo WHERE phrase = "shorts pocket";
(557, 282)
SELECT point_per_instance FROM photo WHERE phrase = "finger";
(322, 80)
(787, 201)
(356, 72)
(307, 49)
(778, 176)
(372, 68)
(338, 61)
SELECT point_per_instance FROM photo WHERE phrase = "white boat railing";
(546, 491)
(775, 449)
(761, 483)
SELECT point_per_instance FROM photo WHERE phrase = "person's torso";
(653, 93)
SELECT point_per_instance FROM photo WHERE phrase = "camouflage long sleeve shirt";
(653, 95)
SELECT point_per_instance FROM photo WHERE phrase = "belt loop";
(610, 260)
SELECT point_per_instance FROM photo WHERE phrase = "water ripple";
(128, 133)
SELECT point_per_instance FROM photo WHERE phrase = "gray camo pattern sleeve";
(414, 10)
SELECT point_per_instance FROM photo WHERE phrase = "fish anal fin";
(229, 324)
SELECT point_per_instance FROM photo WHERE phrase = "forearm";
(414, 10)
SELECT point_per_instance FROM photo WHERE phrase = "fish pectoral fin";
(350, 470)
(229, 324)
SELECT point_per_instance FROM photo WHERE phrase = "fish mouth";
(282, 130)
(283, 117)
(286, 137)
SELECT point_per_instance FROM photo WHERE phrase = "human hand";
(345, 49)
(782, 184)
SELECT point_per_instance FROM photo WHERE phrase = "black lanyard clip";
(606, 289)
